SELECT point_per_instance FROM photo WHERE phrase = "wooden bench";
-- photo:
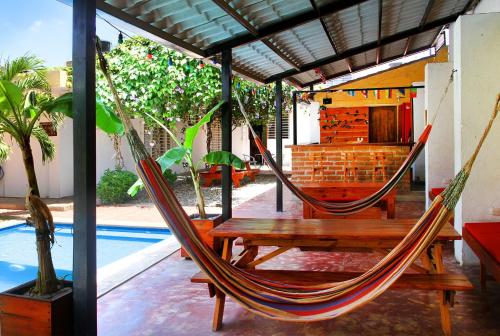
(214, 175)
(484, 240)
(334, 235)
(345, 192)
(448, 284)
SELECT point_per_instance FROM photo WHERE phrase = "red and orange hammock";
(335, 207)
(281, 300)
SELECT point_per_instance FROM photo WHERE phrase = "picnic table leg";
(391, 207)
(220, 297)
(482, 276)
(445, 297)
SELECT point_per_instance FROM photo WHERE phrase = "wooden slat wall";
(344, 124)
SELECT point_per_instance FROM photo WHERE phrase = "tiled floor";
(162, 301)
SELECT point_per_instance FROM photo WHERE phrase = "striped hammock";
(334, 207)
(281, 300)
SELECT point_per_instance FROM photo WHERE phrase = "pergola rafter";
(366, 47)
(248, 26)
(284, 25)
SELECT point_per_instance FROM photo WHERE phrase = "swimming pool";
(18, 258)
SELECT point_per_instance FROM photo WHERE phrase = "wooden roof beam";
(248, 26)
(329, 36)
(366, 66)
(287, 24)
(367, 46)
(379, 29)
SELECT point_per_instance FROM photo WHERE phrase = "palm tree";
(23, 99)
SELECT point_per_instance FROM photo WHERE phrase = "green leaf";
(171, 157)
(11, 97)
(135, 188)
(167, 160)
(224, 158)
(106, 119)
(192, 131)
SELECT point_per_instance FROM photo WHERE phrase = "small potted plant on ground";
(42, 306)
(184, 153)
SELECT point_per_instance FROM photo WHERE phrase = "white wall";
(418, 127)
(307, 123)
(287, 152)
(476, 85)
(487, 6)
(439, 162)
(55, 178)
(105, 154)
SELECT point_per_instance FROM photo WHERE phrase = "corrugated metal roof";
(354, 26)
(305, 44)
(289, 38)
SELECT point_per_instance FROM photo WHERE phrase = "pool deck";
(162, 301)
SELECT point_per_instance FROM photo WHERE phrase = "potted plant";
(184, 153)
(42, 306)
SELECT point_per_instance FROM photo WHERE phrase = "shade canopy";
(302, 41)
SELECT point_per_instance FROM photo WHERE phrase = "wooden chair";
(379, 166)
(350, 167)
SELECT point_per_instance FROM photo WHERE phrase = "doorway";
(254, 150)
(383, 124)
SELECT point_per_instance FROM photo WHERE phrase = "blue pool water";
(18, 258)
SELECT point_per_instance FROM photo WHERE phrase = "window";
(157, 141)
(271, 127)
(216, 141)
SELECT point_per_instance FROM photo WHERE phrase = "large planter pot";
(203, 226)
(22, 315)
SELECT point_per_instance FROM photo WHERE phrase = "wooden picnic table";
(347, 191)
(214, 174)
(380, 235)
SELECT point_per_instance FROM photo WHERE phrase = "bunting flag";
(351, 93)
(364, 93)
(389, 93)
(413, 93)
(376, 94)
(402, 92)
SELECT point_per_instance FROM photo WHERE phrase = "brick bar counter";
(325, 162)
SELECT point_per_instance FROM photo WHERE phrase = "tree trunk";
(200, 199)
(209, 136)
(46, 282)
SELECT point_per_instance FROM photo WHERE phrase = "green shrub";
(113, 185)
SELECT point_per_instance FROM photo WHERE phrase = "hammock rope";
(278, 300)
(351, 207)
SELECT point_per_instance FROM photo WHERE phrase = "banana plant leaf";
(167, 160)
(192, 132)
(224, 158)
(106, 119)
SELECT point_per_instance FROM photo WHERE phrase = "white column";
(439, 164)
(476, 57)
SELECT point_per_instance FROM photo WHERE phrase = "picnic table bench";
(214, 174)
(347, 192)
(333, 235)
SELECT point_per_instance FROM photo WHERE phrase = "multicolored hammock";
(280, 300)
(343, 208)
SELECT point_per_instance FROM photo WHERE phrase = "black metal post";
(279, 143)
(311, 87)
(84, 151)
(226, 182)
(294, 100)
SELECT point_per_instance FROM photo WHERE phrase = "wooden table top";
(346, 229)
